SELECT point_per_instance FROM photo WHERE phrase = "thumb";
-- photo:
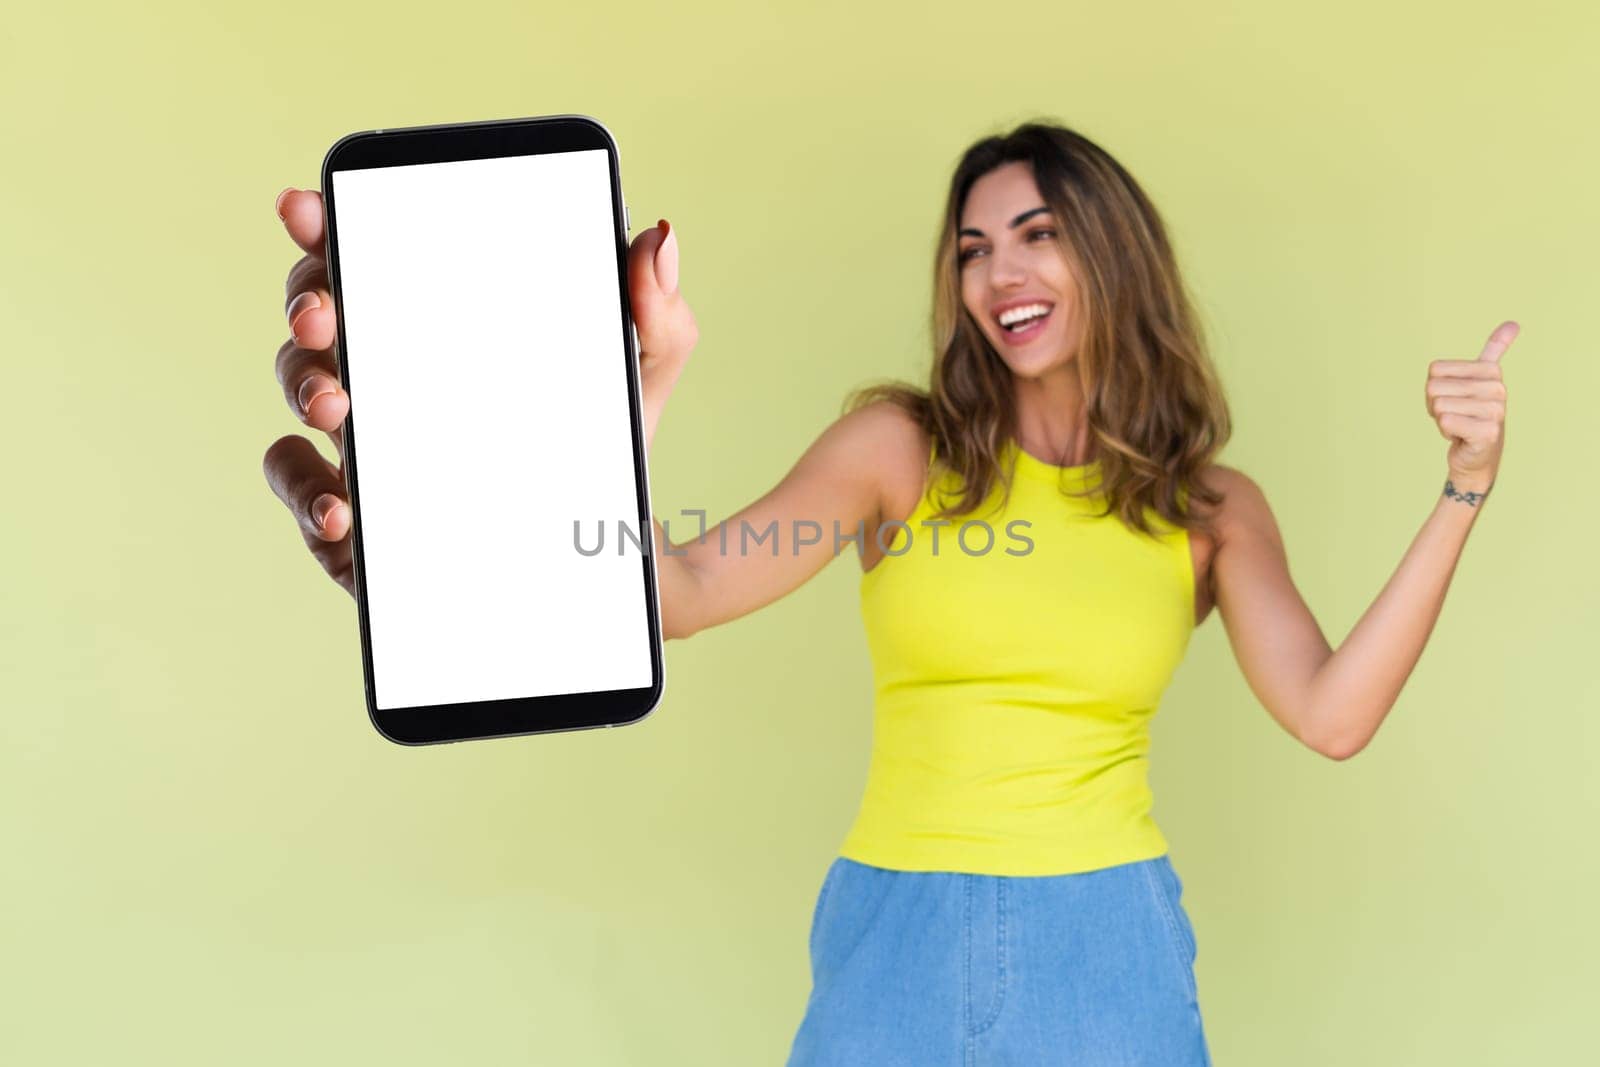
(667, 330)
(666, 258)
(653, 264)
(1498, 342)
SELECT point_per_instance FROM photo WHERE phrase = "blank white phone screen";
(489, 400)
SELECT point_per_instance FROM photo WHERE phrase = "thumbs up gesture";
(1467, 398)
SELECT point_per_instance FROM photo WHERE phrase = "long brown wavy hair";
(1154, 404)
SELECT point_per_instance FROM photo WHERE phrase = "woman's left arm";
(1334, 701)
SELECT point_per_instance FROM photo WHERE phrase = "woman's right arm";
(832, 498)
(832, 494)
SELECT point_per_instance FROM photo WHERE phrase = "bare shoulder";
(1243, 508)
(878, 450)
(888, 446)
(883, 420)
(894, 444)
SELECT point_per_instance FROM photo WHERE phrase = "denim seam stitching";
(1000, 959)
(822, 897)
(1172, 927)
(1185, 928)
(966, 964)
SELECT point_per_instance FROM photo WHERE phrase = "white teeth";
(1027, 311)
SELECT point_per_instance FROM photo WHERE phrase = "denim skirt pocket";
(1167, 888)
(822, 899)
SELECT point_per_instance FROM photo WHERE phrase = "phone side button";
(626, 224)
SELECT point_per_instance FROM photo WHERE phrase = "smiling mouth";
(1027, 327)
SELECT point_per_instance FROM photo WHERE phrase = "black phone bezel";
(514, 716)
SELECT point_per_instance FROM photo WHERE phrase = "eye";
(1042, 231)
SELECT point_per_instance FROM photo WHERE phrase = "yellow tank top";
(1018, 655)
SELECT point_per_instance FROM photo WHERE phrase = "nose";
(1006, 269)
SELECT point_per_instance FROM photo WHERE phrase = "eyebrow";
(1013, 224)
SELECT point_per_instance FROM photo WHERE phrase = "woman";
(1039, 532)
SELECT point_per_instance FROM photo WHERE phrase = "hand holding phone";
(309, 380)
(308, 372)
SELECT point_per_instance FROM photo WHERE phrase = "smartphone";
(494, 452)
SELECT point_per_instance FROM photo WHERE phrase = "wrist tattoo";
(1470, 498)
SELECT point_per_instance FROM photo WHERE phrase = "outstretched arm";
(828, 503)
(1356, 687)
(1334, 701)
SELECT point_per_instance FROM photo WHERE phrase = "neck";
(1050, 422)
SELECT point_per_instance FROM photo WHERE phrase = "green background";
(212, 857)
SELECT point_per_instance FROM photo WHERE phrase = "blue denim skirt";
(927, 969)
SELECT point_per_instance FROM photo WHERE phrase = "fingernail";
(311, 388)
(278, 206)
(667, 258)
(299, 306)
(321, 508)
